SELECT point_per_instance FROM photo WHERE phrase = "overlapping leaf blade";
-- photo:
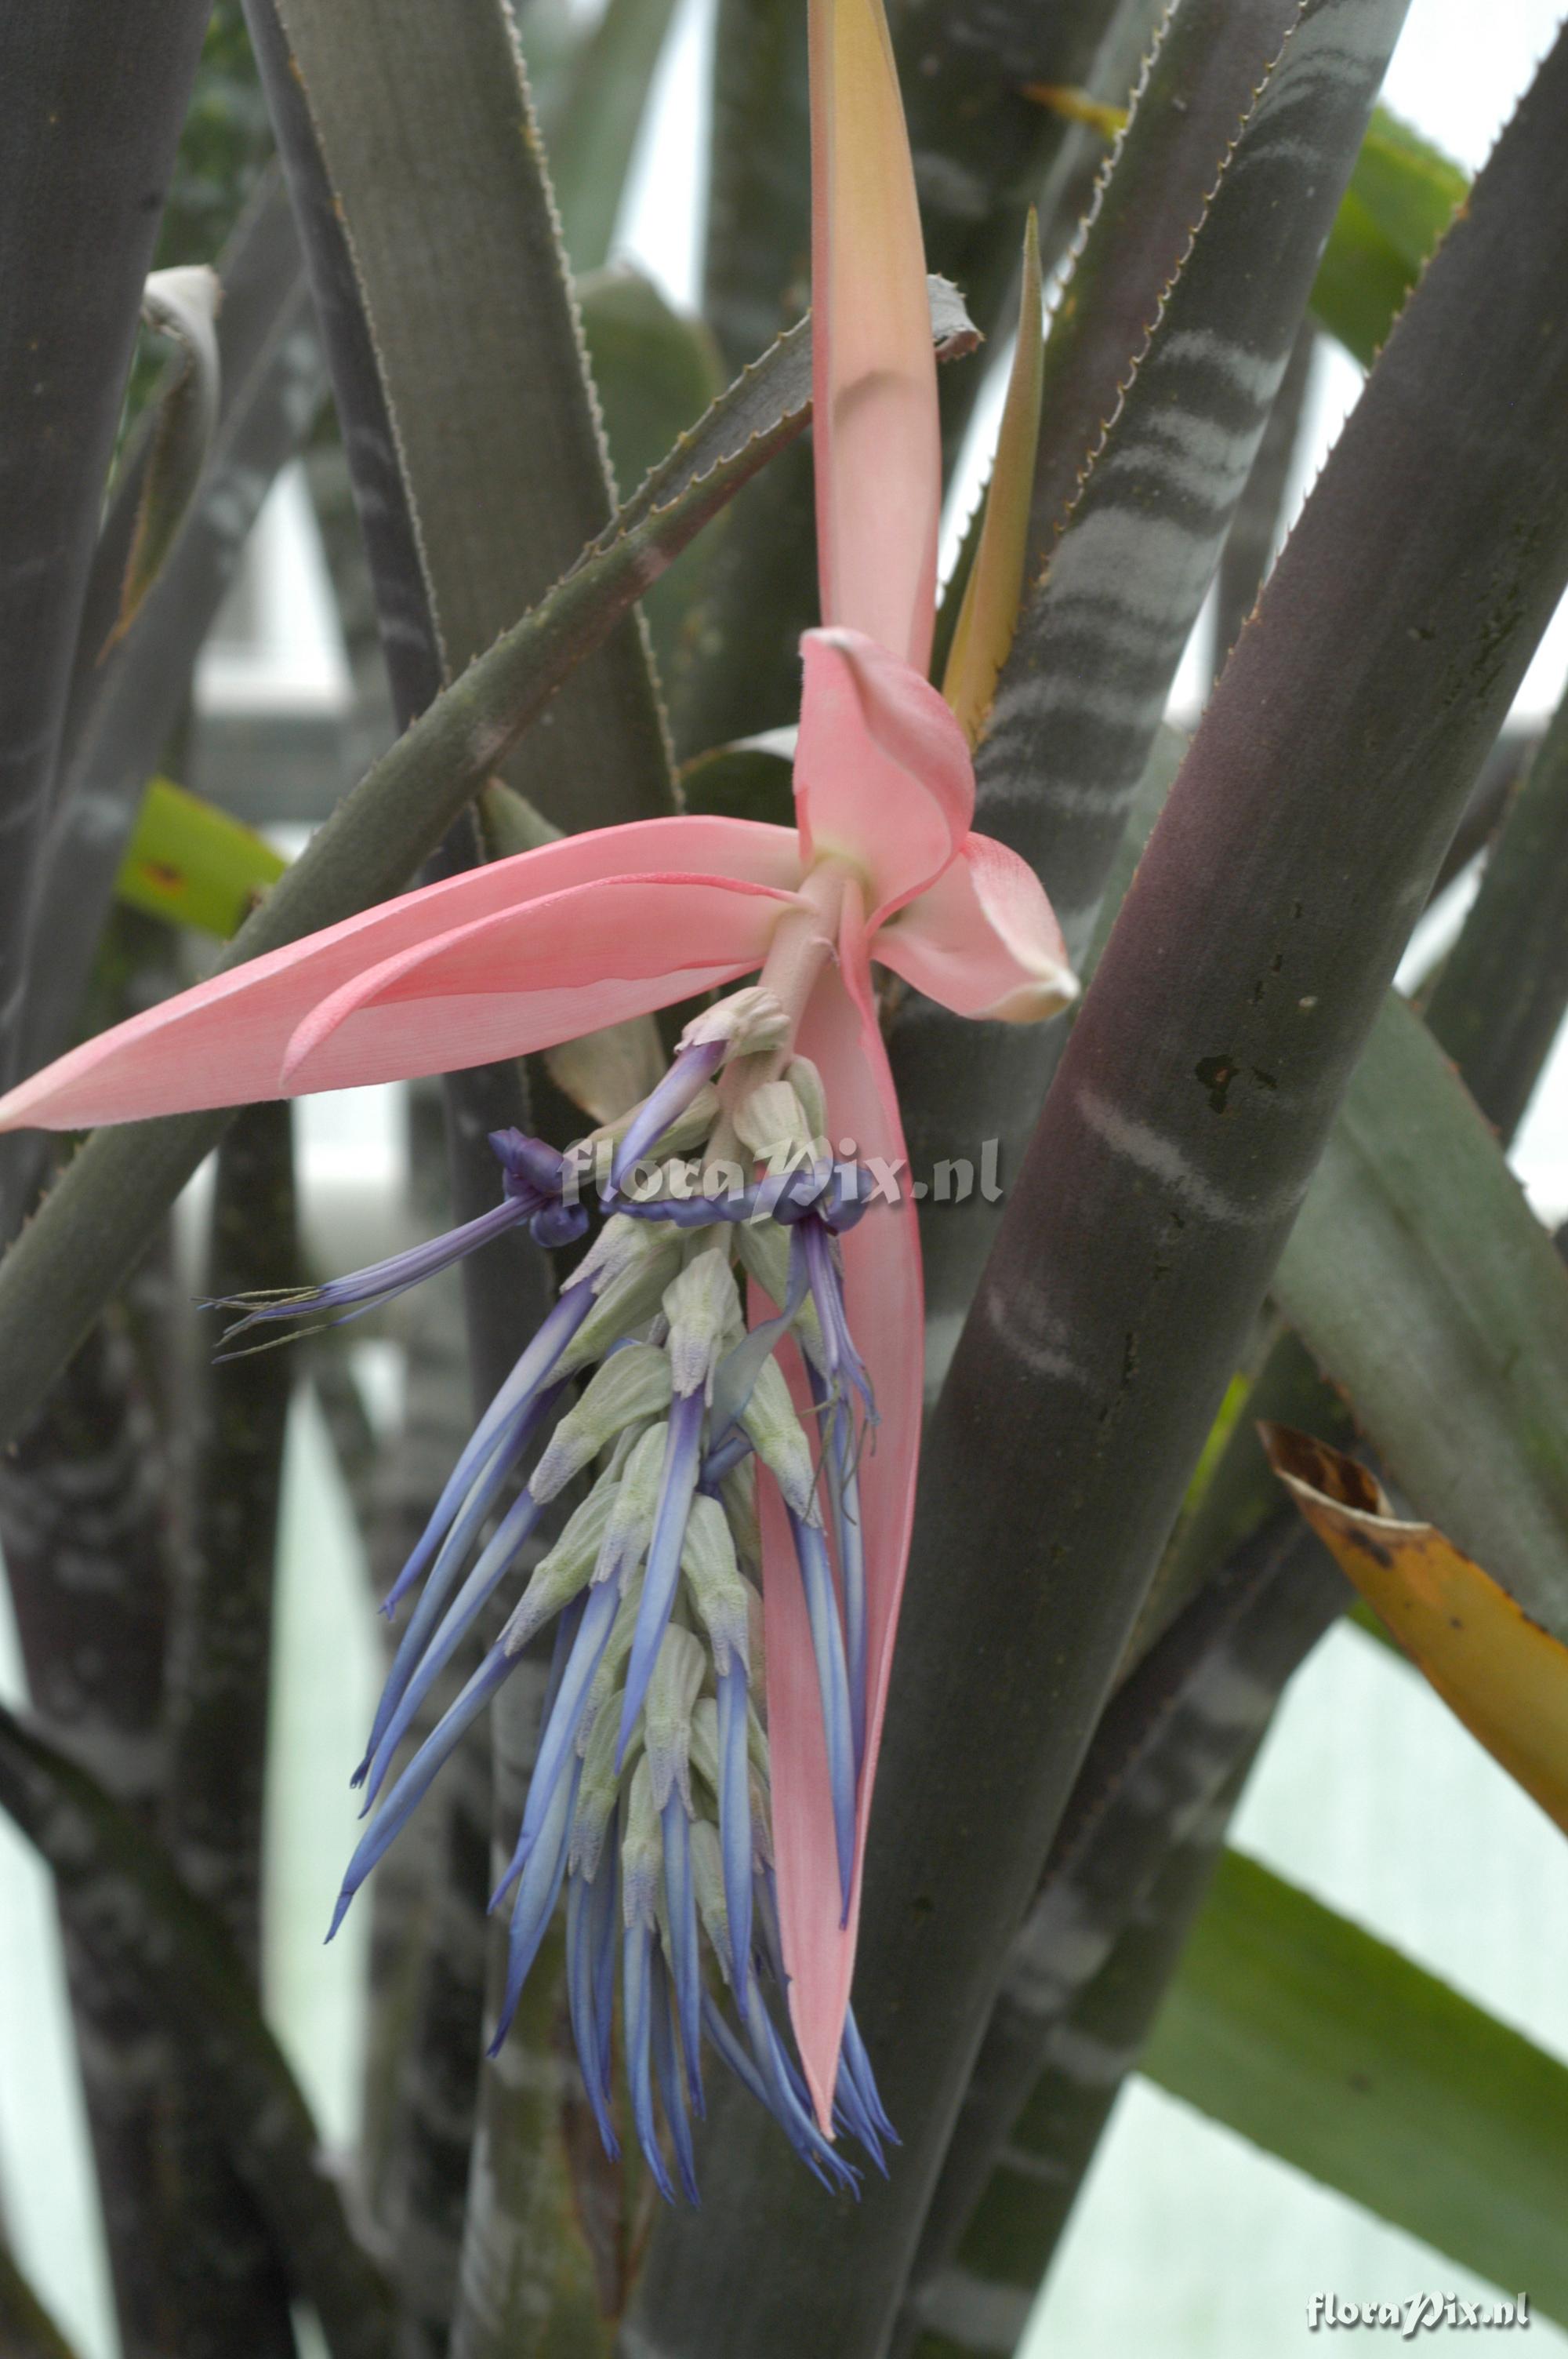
(1142, 1231)
(1333, 2052)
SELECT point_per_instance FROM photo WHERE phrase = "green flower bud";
(673, 1691)
(779, 1439)
(558, 1577)
(633, 1384)
(702, 1306)
(713, 1580)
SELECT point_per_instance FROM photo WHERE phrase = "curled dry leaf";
(183, 306)
(1499, 1672)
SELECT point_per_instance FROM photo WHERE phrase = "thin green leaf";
(593, 129)
(126, 701)
(757, 254)
(453, 240)
(1124, 532)
(655, 372)
(1329, 2049)
(95, 96)
(1500, 999)
(1419, 1278)
(1403, 195)
(134, 1909)
(193, 865)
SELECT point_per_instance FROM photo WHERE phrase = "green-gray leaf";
(1317, 2041)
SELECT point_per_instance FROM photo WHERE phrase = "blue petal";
(527, 1377)
(536, 1897)
(856, 2065)
(685, 1961)
(477, 1590)
(411, 1788)
(692, 1068)
(670, 2090)
(786, 2106)
(735, 1826)
(556, 1746)
(381, 1282)
(602, 1922)
(637, 1964)
(582, 1997)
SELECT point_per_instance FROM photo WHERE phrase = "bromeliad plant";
(657, 1796)
(669, 1564)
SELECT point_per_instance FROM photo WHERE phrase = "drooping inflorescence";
(653, 1395)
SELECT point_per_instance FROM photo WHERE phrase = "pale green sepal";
(598, 1789)
(679, 1673)
(630, 1286)
(632, 1384)
(777, 1436)
(806, 1083)
(630, 1526)
(713, 1579)
(708, 1883)
(558, 1577)
(701, 1305)
(641, 1851)
(771, 1121)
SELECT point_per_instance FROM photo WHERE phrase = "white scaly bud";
(772, 1122)
(702, 1306)
(763, 1247)
(632, 1384)
(629, 1526)
(806, 1083)
(747, 1022)
(713, 1578)
(558, 1576)
(628, 1276)
(641, 1851)
(777, 1436)
(679, 1673)
(708, 1884)
(598, 1788)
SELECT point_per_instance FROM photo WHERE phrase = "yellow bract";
(1500, 1673)
(988, 615)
